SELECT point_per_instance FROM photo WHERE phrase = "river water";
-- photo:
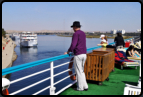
(48, 46)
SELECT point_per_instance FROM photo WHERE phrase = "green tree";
(3, 32)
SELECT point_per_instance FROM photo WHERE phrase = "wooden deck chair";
(121, 59)
(132, 90)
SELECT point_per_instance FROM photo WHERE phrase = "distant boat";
(28, 39)
(15, 36)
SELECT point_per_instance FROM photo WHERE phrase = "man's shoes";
(80, 90)
(85, 89)
(76, 89)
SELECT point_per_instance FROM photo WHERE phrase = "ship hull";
(28, 44)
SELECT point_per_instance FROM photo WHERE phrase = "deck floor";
(115, 85)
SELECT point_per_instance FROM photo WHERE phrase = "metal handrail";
(27, 87)
(29, 76)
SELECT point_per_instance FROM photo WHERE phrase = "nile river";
(48, 46)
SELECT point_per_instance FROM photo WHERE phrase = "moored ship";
(28, 39)
(15, 36)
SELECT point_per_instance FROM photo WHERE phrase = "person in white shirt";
(104, 37)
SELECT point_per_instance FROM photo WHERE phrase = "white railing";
(132, 90)
(51, 86)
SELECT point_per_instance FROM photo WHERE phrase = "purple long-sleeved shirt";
(78, 45)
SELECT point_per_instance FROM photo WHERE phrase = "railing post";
(139, 81)
(140, 68)
(52, 88)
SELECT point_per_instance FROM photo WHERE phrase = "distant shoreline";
(97, 36)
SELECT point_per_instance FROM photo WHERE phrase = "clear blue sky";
(93, 16)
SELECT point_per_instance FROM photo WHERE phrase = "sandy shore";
(8, 54)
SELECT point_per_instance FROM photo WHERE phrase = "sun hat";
(76, 24)
(102, 36)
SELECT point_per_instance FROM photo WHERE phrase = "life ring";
(73, 77)
(5, 92)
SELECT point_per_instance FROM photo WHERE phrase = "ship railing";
(137, 39)
(52, 75)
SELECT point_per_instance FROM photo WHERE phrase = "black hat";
(76, 24)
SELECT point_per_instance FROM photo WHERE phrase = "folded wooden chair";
(121, 59)
(132, 90)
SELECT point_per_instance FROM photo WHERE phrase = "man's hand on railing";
(65, 53)
(70, 53)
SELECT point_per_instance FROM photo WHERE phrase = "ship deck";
(115, 85)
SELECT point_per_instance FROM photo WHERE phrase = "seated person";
(103, 43)
(136, 48)
(130, 52)
(104, 37)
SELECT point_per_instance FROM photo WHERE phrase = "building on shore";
(138, 30)
(116, 31)
(91, 32)
(122, 31)
(113, 31)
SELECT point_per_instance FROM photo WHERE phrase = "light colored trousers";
(79, 61)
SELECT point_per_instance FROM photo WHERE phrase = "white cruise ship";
(15, 36)
(28, 39)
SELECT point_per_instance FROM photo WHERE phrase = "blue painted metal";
(31, 64)
(89, 49)
(35, 63)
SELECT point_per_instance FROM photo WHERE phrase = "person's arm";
(74, 42)
(99, 44)
(104, 45)
(129, 52)
(123, 43)
(133, 54)
(137, 53)
(115, 39)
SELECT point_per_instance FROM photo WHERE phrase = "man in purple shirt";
(78, 47)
